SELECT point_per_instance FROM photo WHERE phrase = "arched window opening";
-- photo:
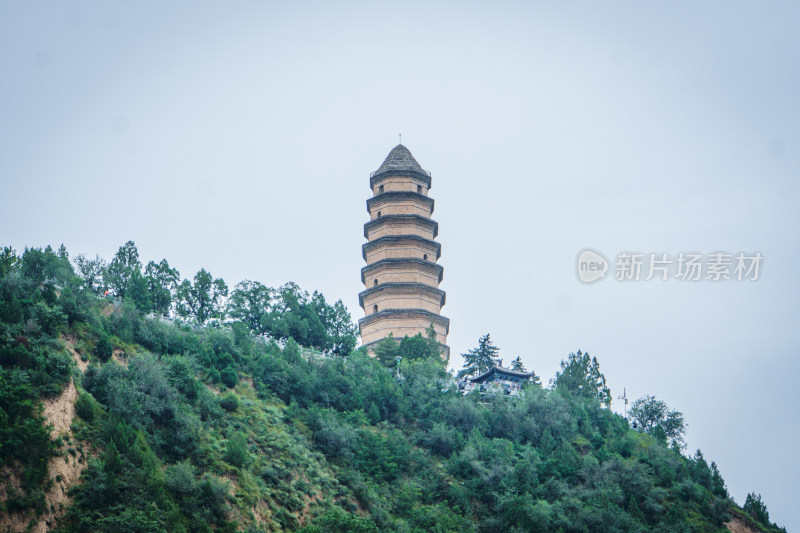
(419, 189)
(379, 214)
(375, 308)
(380, 189)
(376, 281)
(425, 257)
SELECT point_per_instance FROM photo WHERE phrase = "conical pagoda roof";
(400, 159)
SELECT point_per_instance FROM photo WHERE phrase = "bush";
(180, 479)
(84, 407)
(104, 349)
(237, 453)
(229, 401)
(229, 377)
(443, 440)
(23, 435)
(338, 521)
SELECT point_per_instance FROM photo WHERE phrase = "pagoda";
(401, 292)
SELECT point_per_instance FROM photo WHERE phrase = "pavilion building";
(498, 380)
(401, 280)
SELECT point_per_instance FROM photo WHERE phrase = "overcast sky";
(240, 137)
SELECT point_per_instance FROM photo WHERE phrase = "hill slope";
(182, 427)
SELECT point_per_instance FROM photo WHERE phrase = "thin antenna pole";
(624, 397)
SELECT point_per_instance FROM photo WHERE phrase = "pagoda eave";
(377, 177)
(419, 219)
(386, 239)
(402, 287)
(406, 313)
(394, 196)
(426, 265)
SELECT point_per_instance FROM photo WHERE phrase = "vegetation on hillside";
(205, 409)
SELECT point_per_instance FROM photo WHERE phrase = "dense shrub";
(229, 401)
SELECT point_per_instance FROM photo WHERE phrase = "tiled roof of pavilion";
(503, 372)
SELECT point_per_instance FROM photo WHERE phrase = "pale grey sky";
(239, 137)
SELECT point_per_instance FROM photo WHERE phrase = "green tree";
(92, 271)
(45, 268)
(250, 304)
(653, 417)
(318, 315)
(290, 312)
(341, 329)
(755, 507)
(8, 259)
(480, 359)
(434, 348)
(62, 252)
(417, 347)
(202, 300)
(113, 463)
(139, 292)
(717, 483)
(121, 270)
(518, 366)
(387, 351)
(162, 284)
(580, 375)
(24, 436)
(291, 317)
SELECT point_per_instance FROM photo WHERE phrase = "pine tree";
(387, 350)
(580, 375)
(755, 507)
(434, 347)
(717, 483)
(121, 269)
(480, 359)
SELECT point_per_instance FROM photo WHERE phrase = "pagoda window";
(379, 214)
(419, 189)
(375, 308)
(376, 281)
(380, 189)
(425, 257)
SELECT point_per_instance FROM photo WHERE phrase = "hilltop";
(174, 406)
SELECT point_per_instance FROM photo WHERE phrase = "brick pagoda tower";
(401, 279)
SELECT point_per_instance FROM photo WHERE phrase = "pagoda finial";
(400, 135)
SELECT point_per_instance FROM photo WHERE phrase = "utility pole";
(625, 398)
